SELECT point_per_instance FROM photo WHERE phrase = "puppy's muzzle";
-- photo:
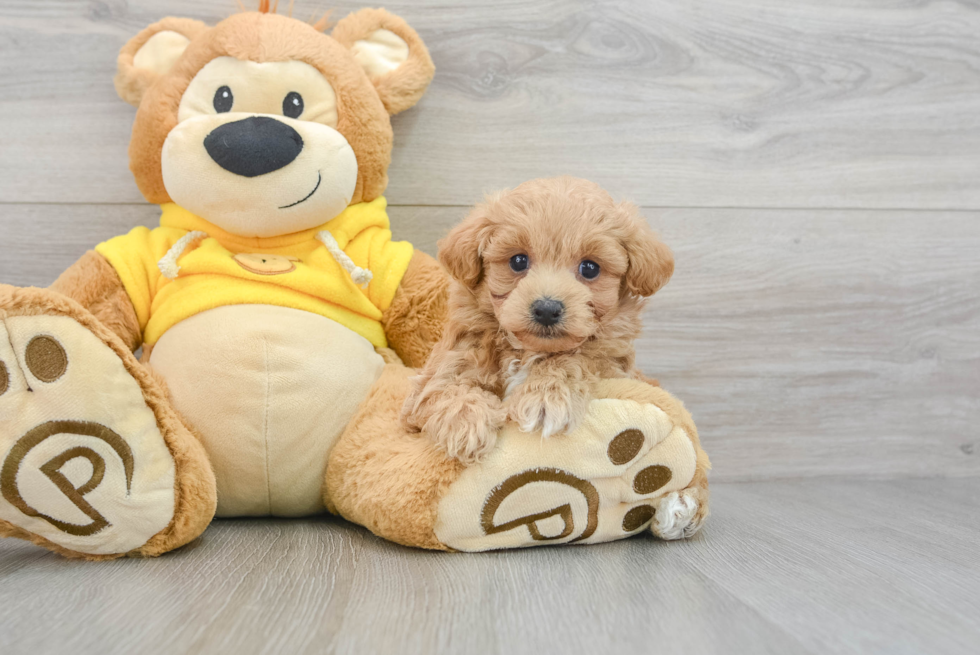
(547, 311)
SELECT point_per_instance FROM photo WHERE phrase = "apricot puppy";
(549, 283)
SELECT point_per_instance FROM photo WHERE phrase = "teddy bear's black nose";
(253, 146)
(546, 311)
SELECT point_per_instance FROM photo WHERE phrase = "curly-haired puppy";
(549, 282)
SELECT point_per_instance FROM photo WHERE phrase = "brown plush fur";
(95, 285)
(385, 478)
(415, 319)
(494, 362)
(194, 483)
(362, 117)
(402, 88)
(131, 83)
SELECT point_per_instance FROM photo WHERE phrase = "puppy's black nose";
(253, 146)
(546, 311)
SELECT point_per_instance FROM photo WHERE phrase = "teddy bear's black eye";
(588, 269)
(518, 263)
(223, 100)
(292, 105)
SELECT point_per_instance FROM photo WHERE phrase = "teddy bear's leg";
(94, 462)
(634, 463)
(383, 477)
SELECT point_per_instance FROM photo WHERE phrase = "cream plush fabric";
(84, 422)
(269, 390)
(599, 483)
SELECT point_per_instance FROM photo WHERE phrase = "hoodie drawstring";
(170, 269)
(361, 276)
(168, 263)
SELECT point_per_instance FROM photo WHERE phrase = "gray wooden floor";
(817, 566)
(815, 166)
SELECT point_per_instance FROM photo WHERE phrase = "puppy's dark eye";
(292, 105)
(223, 100)
(518, 263)
(588, 269)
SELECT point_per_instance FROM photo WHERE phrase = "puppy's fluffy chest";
(517, 366)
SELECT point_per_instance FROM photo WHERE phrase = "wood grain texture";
(804, 342)
(723, 103)
(828, 566)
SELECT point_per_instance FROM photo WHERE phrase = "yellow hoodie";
(212, 268)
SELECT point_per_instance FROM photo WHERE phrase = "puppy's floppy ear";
(152, 53)
(461, 252)
(650, 261)
(391, 53)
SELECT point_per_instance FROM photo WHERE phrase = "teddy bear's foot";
(632, 464)
(93, 461)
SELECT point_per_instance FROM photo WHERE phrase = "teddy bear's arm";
(415, 319)
(95, 285)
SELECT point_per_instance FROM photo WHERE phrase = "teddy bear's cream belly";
(268, 390)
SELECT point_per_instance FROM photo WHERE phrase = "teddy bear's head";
(263, 125)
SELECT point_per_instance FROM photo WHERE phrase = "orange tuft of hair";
(324, 23)
(269, 7)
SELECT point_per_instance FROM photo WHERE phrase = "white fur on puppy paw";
(676, 516)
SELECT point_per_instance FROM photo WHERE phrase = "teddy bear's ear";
(151, 53)
(391, 54)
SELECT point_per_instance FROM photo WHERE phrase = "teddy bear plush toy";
(278, 322)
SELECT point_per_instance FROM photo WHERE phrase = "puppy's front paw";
(551, 408)
(465, 424)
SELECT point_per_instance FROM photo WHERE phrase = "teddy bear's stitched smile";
(319, 178)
